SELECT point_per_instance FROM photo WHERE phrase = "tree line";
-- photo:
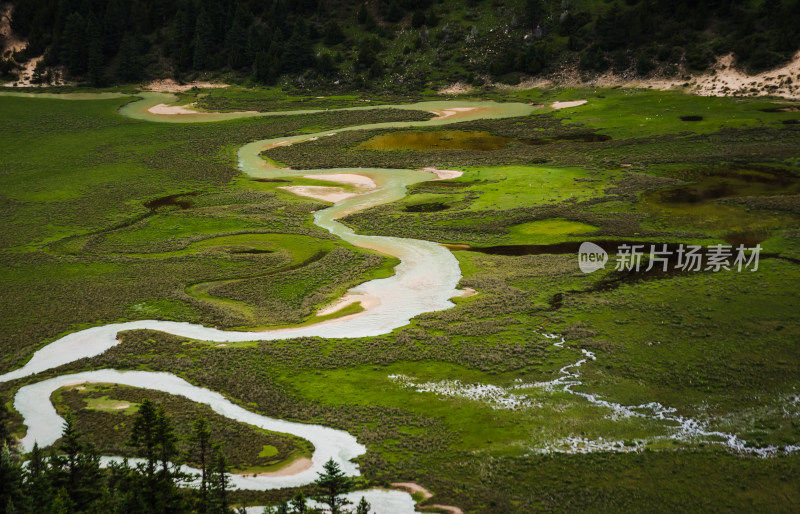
(118, 41)
(68, 478)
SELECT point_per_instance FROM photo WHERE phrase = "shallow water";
(382, 501)
(683, 428)
(424, 281)
(700, 203)
(33, 403)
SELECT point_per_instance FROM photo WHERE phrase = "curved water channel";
(424, 281)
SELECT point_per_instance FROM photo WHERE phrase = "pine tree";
(167, 444)
(299, 54)
(75, 45)
(279, 15)
(127, 67)
(5, 435)
(362, 15)
(62, 503)
(331, 484)
(236, 42)
(37, 481)
(325, 64)
(418, 20)
(143, 438)
(394, 13)
(298, 503)
(74, 467)
(267, 65)
(115, 23)
(534, 13)
(39, 72)
(203, 36)
(363, 506)
(154, 440)
(219, 482)
(125, 486)
(11, 486)
(201, 451)
(95, 61)
(333, 33)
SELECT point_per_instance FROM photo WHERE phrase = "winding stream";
(424, 281)
(684, 427)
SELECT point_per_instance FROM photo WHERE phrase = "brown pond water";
(480, 141)
(695, 204)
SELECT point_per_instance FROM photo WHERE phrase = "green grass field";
(81, 248)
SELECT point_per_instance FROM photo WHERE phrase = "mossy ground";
(718, 347)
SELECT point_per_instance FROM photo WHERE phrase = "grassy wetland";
(110, 219)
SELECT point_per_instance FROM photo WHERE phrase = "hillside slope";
(397, 44)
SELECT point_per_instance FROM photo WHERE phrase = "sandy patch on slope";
(722, 80)
(171, 86)
(11, 42)
(295, 467)
(567, 105)
(26, 74)
(443, 174)
(725, 80)
(457, 88)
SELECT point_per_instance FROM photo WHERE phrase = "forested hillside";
(395, 42)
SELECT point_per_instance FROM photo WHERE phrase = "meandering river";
(424, 281)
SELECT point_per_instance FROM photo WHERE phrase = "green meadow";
(109, 219)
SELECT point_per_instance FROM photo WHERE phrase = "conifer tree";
(219, 482)
(203, 36)
(75, 467)
(12, 495)
(201, 451)
(333, 483)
